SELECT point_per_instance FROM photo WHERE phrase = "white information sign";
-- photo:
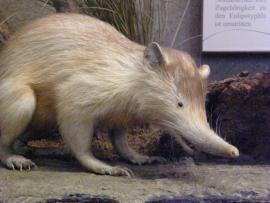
(236, 26)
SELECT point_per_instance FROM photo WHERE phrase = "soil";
(58, 181)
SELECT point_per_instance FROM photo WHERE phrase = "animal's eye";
(180, 104)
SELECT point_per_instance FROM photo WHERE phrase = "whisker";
(219, 129)
(211, 117)
(217, 123)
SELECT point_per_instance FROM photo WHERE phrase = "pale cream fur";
(79, 73)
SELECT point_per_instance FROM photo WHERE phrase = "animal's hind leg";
(17, 104)
(119, 141)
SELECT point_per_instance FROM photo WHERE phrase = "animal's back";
(63, 43)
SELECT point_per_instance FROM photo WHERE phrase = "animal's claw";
(117, 171)
(19, 162)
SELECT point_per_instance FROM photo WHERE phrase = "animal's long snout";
(206, 140)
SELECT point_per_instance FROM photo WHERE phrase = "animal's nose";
(233, 152)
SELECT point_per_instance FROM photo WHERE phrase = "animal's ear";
(154, 55)
(204, 71)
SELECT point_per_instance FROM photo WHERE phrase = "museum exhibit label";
(236, 26)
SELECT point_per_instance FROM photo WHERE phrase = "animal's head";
(178, 100)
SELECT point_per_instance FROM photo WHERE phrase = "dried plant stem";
(131, 17)
(7, 18)
(189, 39)
(180, 23)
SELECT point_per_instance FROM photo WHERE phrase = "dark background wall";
(222, 65)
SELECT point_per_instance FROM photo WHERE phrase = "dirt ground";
(59, 177)
(58, 181)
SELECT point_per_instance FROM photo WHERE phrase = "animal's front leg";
(78, 135)
(119, 140)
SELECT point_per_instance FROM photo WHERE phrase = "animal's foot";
(19, 162)
(140, 160)
(116, 171)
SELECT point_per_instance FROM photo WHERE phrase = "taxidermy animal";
(78, 73)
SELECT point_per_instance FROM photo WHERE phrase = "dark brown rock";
(239, 109)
